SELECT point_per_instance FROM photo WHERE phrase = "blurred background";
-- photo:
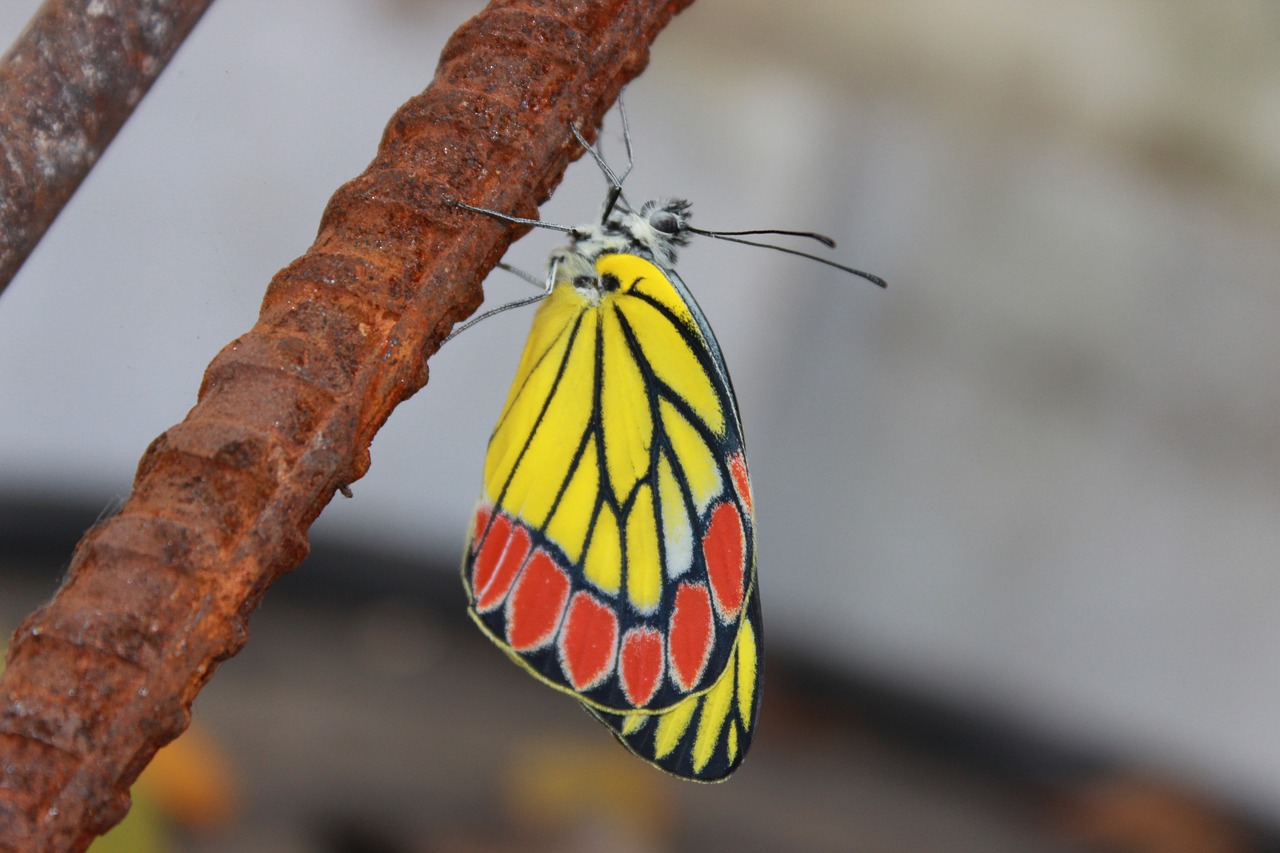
(1019, 523)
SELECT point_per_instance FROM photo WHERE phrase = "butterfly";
(613, 550)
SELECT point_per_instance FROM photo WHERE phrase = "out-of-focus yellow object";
(192, 782)
(143, 830)
(560, 785)
(189, 784)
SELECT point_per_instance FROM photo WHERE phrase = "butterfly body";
(613, 553)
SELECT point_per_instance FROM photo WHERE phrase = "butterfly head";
(667, 219)
(656, 230)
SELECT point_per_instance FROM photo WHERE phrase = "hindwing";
(613, 550)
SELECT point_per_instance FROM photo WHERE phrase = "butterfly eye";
(665, 221)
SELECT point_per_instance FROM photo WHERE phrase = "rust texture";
(66, 86)
(104, 674)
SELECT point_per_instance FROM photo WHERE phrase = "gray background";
(1037, 475)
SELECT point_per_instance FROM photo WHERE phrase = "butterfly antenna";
(735, 237)
(812, 235)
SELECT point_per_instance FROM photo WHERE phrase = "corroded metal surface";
(66, 86)
(156, 596)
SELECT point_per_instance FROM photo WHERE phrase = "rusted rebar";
(155, 597)
(66, 86)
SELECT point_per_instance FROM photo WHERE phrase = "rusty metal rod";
(104, 674)
(66, 86)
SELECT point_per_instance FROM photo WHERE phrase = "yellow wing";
(613, 551)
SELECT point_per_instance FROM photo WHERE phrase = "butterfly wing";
(613, 551)
(704, 737)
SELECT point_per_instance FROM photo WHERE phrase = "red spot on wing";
(481, 522)
(491, 543)
(691, 635)
(641, 665)
(588, 642)
(493, 576)
(724, 546)
(738, 470)
(535, 606)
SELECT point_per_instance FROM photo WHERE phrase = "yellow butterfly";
(613, 551)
